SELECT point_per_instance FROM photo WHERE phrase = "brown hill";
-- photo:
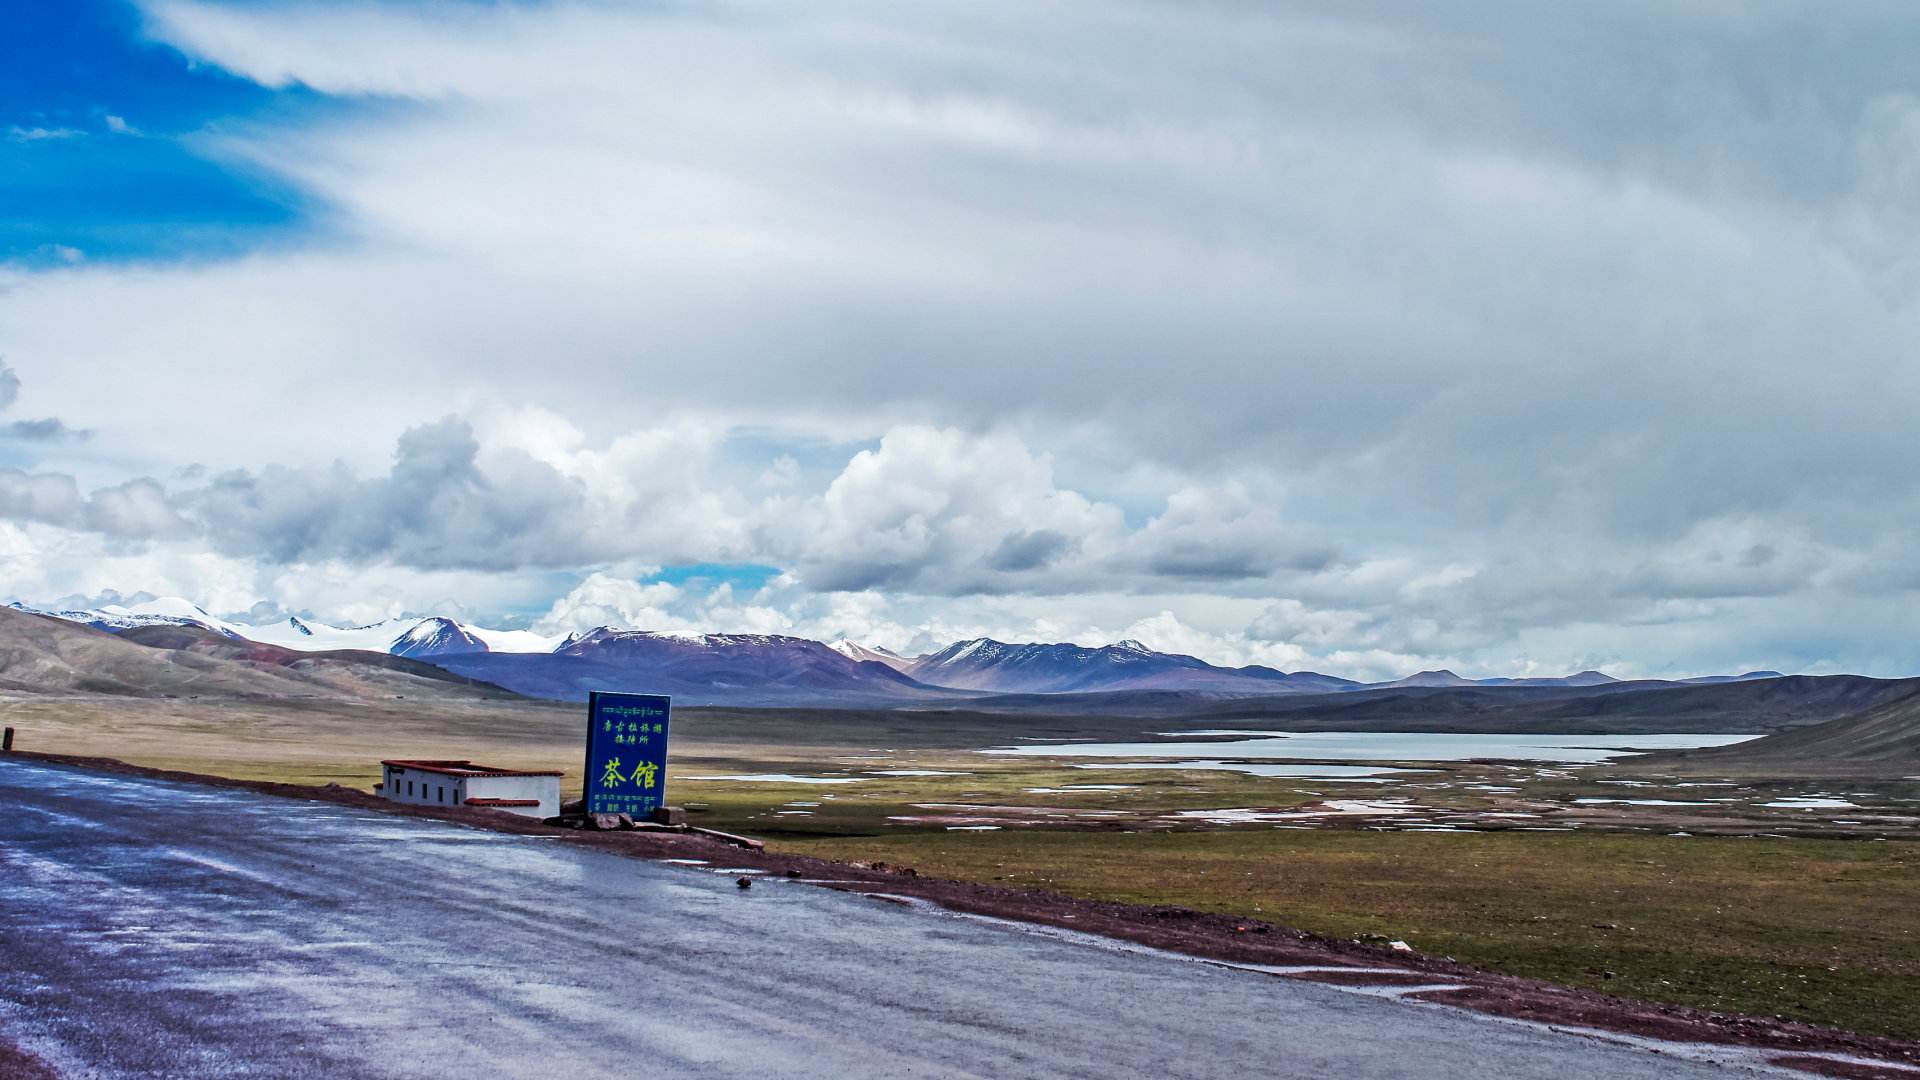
(42, 655)
(1883, 741)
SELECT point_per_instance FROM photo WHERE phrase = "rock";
(610, 822)
(669, 815)
(1399, 946)
(575, 806)
(743, 882)
(793, 873)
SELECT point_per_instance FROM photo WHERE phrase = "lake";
(1379, 746)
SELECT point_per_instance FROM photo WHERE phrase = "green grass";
(1821, 931)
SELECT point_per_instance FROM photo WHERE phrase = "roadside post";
(6, 742)
(626, 754)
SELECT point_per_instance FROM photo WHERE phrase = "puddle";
(1329, 808)
(973, 828)
(1811, 802)
(918, 772)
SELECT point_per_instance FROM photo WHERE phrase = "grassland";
(1824, 930)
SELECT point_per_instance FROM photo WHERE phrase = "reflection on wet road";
(150, 928)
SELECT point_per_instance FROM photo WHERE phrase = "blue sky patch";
(705, 577)
(101, 144)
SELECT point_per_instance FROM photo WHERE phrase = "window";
(409, 787)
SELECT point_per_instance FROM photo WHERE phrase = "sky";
(1365, 338)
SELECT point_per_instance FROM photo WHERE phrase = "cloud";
(51, 498)
(1593, 340)
(48, 429)
(42, 134)
(937, 509)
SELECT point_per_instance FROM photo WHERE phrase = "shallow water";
(780, 778)
(1811, 802)
(1381, 746)
(1354, 773)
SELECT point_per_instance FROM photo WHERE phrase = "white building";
(462, 783)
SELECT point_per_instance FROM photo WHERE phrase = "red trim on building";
(467, 768)
(503, 802)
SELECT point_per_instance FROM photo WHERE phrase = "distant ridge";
(998, 667)
(698, 669)
(743, 668)
(43, 655)
(1881, 741)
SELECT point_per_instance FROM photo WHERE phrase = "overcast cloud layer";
(1365, 338)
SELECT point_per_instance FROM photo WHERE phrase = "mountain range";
(42, 655)
(763, 669)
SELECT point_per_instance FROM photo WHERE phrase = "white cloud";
(1208, 329)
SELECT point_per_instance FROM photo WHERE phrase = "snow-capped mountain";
(411, 637)
(167, 611)
(853, 650)
(776, 669)
(696, 669)
(437, 637)
(998, 667)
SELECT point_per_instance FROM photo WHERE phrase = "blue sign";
(626, 753)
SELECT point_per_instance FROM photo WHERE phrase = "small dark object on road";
(6, 741)
(743, 881)
(793, 873)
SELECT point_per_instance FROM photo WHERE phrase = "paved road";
(150, 928)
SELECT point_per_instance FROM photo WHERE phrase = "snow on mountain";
(436, 637)
(697, 669)
(995, 666)
(513, 641)
(751, 667)
(853, 650)
(411, 637)
(166, 611)
(421, 639)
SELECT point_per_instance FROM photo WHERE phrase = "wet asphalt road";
(150, 928)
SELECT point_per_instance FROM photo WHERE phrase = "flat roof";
(466, 768)
(503, 802)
